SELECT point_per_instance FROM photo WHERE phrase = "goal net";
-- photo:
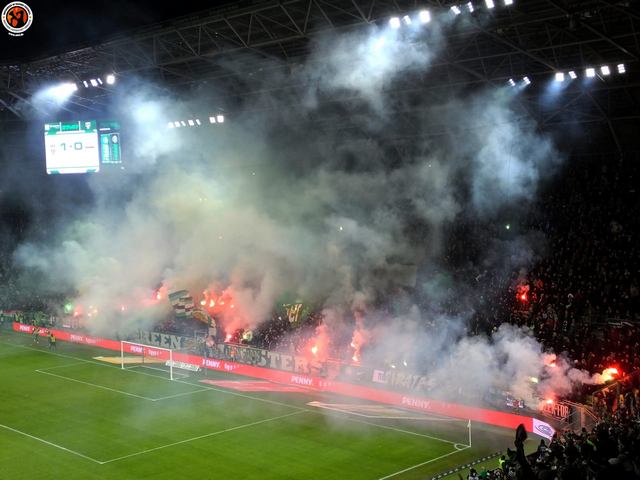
(137, 355)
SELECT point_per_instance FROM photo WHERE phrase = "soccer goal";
(135, 355)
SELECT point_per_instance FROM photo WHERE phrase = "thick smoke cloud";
(274, 201)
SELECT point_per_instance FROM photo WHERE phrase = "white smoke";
(266, 205)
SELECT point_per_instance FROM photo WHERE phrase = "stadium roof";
(236, 45)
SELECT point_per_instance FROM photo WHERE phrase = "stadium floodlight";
(605, 70)
(526, 80)
(177, 124)
(406, 19)
(182, 122)
(508, 2)
(61, 92)
(559, 77)
(99, 80)
(212, 119)
(394, 22)
(512, 82)
(470, 7)
(424, 16)
(170, 125)
(220, 118)
(86, 84)
(455, 9)
(572, 75)
(111, 79)
(590, 72)
(191, 123)
(197, 121)
(94, 82)
(489, 3)
(621, 68)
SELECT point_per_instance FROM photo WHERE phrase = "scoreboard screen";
(83, 146)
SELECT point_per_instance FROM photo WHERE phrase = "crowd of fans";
(611, 450)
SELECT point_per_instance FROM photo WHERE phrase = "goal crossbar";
(146, 351)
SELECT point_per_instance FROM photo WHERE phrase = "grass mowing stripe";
(347, 418)
(66, 365)
(421, 464)
(227, 392)
(96, 386)
(50, 444)
(325, 407)
(404, 431)
(219, 432)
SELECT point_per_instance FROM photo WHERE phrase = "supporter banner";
(557, 410)
(262, 358)
(543, 429)
(406, 381)
(465, 412)
(379, 376)
(174, 342)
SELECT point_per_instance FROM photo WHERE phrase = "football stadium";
(332, 239)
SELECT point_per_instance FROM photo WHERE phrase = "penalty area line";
(423, 463)
(219, 432)
(51, 444)
(181, 394)
(97, 386)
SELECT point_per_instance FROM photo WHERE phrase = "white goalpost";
(134, 354)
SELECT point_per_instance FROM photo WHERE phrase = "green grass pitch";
(64, 415)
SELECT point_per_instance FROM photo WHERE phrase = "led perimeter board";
(83, 146)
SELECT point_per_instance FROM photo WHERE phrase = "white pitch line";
(63, 366)
(50, 443)
(324, 406)
(96, 386)
(236, 394)
(226, 392)
(420, 464)
(180, 394)
(219, 432)
(336, 407)
(408, 432)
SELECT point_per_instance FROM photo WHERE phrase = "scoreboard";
(83, 146)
